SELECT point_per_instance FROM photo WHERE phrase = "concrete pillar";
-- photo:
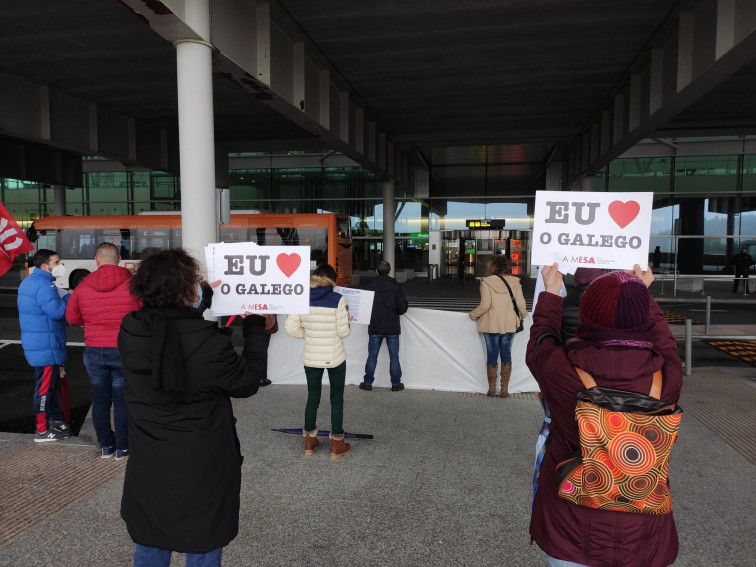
(554, 176)
(196, 140)
(389, 210)
(586, 182)
(59, 200)
(690, 250)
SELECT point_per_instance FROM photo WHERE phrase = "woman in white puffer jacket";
(323, 330)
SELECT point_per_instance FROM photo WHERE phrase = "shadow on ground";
(17, 390)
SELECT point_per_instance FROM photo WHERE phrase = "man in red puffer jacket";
(99, 303)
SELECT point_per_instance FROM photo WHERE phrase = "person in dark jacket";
(389, 303)
(622, 339)
(741, 262)
(99, 303)
(257, 332)
(183, 475)
(571, 307)
(42, 316)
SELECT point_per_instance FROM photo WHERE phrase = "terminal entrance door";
(465, 253)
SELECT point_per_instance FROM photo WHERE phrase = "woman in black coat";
(183, 477)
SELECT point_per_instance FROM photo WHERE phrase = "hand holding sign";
(552, 279)
(596, 230)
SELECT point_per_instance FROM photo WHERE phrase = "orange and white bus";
(75, 239)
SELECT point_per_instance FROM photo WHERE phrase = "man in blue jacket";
(42, 314)
(389, 303)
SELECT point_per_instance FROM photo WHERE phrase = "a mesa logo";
(580, 259)
(254, 307)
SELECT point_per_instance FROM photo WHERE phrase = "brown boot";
(506, 372)
(311, 441)
(492, 372)
(338, 447)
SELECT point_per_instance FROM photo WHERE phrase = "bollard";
(688, 347)
(708, 315)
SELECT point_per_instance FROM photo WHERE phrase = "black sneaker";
(265, 382)
(397, 387)
(365, 386)
(121, 454)
(50, 435)
(61, 427)
(107, 452)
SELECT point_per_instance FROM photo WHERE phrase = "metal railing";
(675, 277)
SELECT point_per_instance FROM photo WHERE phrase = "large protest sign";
(360, 303)
(260, 279)
(595, 230)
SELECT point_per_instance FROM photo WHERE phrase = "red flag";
(13, 241)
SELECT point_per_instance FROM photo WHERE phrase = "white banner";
(261, 279)
(360, 303)
(438, 350)
(593, 230)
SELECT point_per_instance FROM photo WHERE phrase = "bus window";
(149, 241)
(343, 228)
(125, 245)
(234, 234)
(289, 236)
(46, 239)
(76, 244)
(314, 237)
(176, 238)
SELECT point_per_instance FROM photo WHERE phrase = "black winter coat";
(389, 303)
(183, 476)
(571, 310)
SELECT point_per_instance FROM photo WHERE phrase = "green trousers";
(337, 378)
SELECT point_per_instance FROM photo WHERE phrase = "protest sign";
(360, 303)
(593, 230)
(260, 279)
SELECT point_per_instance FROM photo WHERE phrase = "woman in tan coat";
(498, 320)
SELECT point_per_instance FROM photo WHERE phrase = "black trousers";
(740, 276)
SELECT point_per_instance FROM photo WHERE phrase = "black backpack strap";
(554, 336)
(517, 311)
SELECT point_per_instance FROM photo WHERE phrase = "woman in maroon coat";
(621, 341)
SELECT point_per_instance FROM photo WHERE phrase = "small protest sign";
(594, 230)
(360, 303)
(260, 279)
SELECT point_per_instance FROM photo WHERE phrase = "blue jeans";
(553, 562)
(106, 376)
(146, 556)
(46, 396)
(498, 344)
(374, 346)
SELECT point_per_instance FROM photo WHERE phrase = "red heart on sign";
(288, 263)
(623, 213)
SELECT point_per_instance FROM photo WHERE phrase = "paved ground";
(445, 481)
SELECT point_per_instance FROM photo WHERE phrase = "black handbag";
(521, 326)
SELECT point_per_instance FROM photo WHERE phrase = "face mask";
(58, 271)
(199, 301)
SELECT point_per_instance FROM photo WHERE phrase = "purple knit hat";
(614, 311)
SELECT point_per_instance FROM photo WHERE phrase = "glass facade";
(704, 206)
